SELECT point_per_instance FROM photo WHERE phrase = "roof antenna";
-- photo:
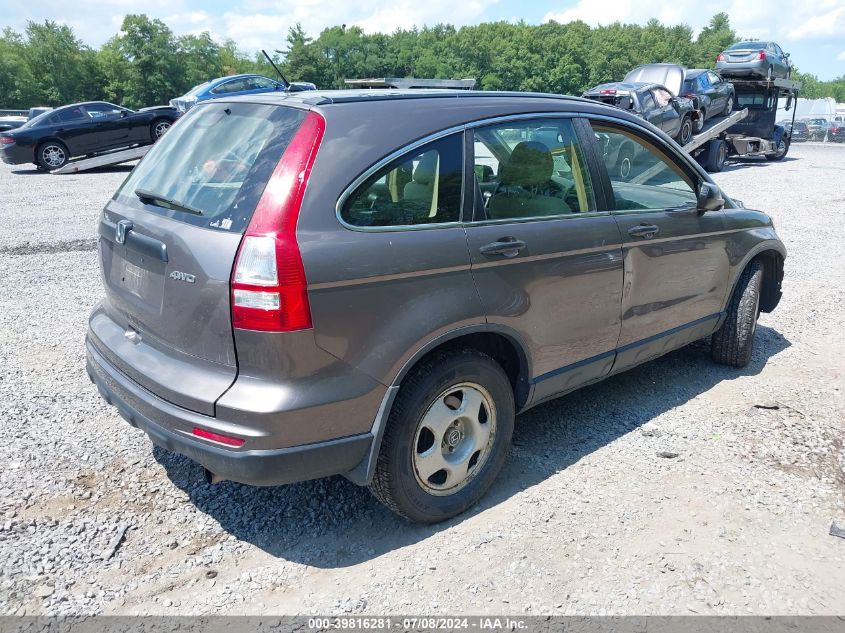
(284, 81)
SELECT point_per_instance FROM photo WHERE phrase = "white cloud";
(841, 57)
(749, 18)
(829, 24)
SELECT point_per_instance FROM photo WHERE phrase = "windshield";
(744, 45)
(197, 89)
(212, 167)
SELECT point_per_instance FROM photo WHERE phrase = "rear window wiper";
(147, 197)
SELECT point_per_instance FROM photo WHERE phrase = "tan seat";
(526, 188)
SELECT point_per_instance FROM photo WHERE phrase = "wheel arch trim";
(767, 246)
(362, 474)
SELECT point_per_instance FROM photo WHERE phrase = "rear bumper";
(16, 154)
(271, 467)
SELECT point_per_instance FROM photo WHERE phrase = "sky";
(813, 31)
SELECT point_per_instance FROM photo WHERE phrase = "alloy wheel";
(160, 128)
(454, 439)
(53, 155)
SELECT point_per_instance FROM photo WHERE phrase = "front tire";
(733, 343)
(446, 438)
(729, 106)
(699, 122)
(685, 134)
(781, 150)
(52, 155)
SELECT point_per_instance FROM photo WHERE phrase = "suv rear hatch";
(168, 241)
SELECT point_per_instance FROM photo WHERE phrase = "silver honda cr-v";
(374, 284)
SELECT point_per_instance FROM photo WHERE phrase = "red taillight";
(762, 55)
(269, 289)
(607, 91)
(720, 58)
(6, 140)
(216, 437)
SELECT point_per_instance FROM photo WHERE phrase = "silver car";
(754, 59)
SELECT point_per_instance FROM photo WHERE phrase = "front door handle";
(646, 231)
(507, 246)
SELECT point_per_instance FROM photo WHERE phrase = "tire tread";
(733, 343)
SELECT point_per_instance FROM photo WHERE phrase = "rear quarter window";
(216, 161)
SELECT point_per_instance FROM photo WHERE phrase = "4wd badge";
(178, 275)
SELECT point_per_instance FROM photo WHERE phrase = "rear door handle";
(646, 231)
(507, 246)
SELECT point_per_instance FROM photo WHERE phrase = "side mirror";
(709, 197)
(123, 114)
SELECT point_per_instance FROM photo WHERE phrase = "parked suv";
(373, 285)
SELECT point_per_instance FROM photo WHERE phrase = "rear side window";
(418, 188)
(211, 169)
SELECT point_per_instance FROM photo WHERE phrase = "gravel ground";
(585, 519)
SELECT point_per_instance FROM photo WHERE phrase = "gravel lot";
(585, 519)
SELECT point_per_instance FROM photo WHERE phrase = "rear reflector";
(216, 437)
(269, 289)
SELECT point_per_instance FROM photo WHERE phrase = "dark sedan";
(652, 102)
(714, 95)
(82, 129)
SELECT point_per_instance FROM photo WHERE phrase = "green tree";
(146, 56)
(713, 39)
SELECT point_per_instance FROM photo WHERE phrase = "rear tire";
(158, 128)
(456, 410)
(733, 343)
(624, 162)
(717, 154)
(52, 155)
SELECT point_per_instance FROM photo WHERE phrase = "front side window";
(531, 169)
(422, 187)
(647, 102)
(642, 176)
(663, 97)
(100, 110)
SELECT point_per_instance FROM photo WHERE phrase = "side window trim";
(646, 136)
(384, 162)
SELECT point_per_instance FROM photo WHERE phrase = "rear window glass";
(211, 169)
(744, 45)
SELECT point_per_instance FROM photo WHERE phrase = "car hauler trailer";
(750, 131)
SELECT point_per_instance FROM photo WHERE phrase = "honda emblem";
(123, 227)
